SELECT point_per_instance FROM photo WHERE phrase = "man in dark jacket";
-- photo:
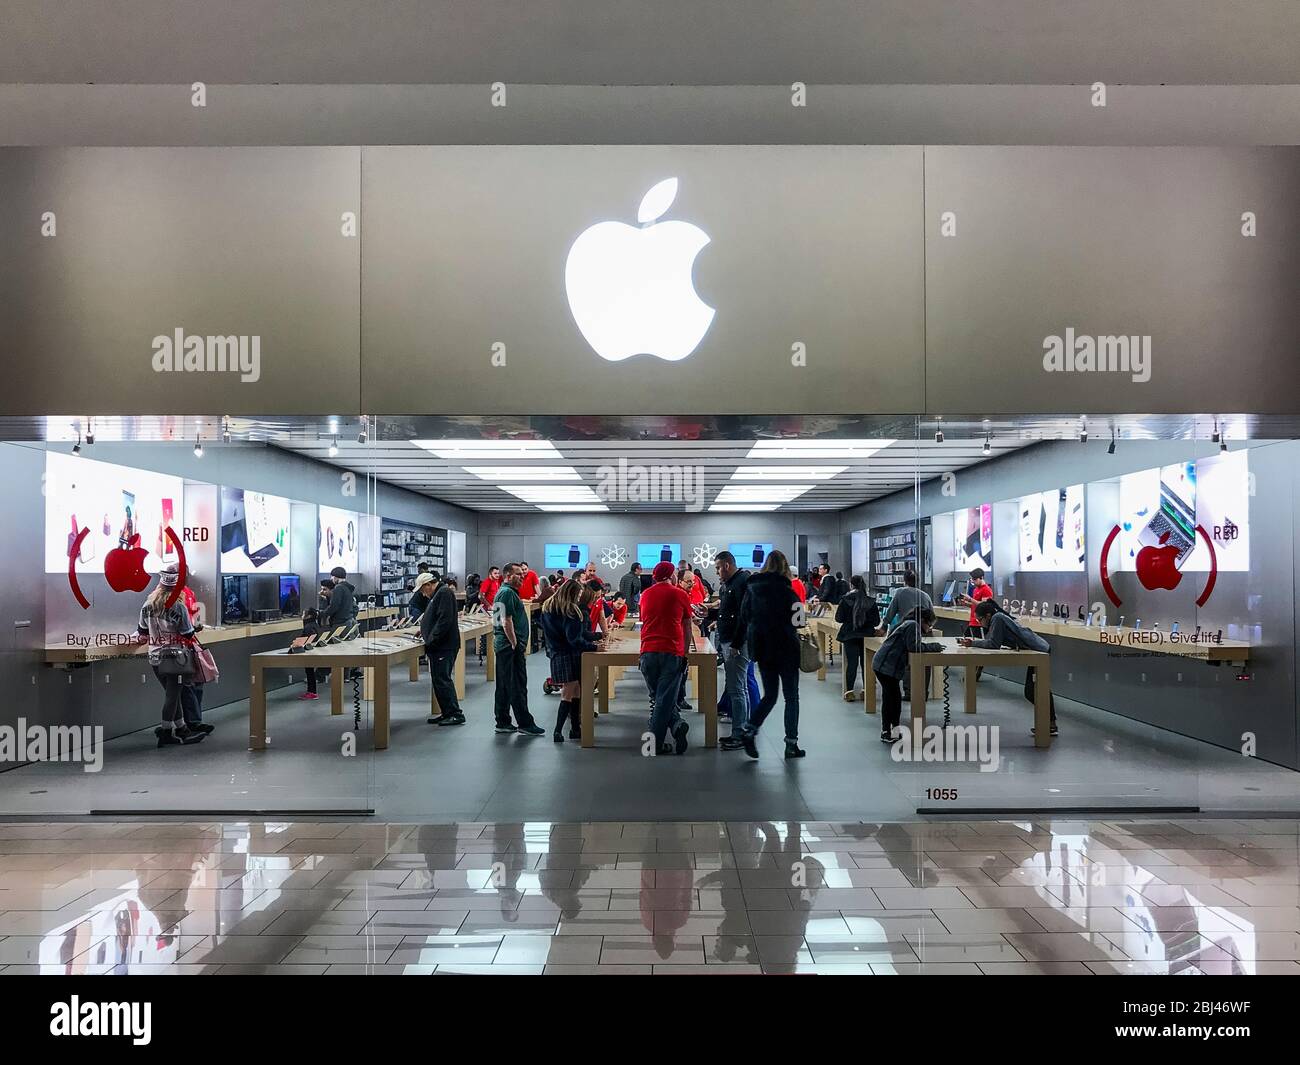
(342, 608)
(732, 581)
(440, 631)
(1002, 630)
(419, 601)
(630, 585)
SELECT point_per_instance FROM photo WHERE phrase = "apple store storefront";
(237, 371)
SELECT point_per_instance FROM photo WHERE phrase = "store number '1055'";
(941, 793)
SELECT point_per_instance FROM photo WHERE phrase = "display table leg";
(918, 695)
(256, 710)
(490, 661)
(708, 703)
(381, 705)
(1043, 705)
(336, 690)
(824, 646)
(972, 686)
(415, 667)
(587, 702)
(604, 689)
(460, 676)
(367, 683)
(868, 687)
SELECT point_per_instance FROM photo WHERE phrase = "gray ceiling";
(901, 465)
(637, 42)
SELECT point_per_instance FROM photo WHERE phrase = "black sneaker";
(531, 730)
(793, 750)
(666, 748)
(451, 719)
(730, 743)
(205, 729)
(179, 737)
(684, 705)
(1053, 731)
(437, 720)
(749, 740)
(679, 736)
(505, 728)
(887, 737)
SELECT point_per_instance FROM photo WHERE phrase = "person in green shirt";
(509, 641)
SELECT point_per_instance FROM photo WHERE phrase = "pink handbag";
(205, 666)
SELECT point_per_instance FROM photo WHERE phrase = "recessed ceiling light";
(786, 473)
(816, 449)
(468, 450)
(744, 506)
(552, 493)
(761, 493)
(524, 473)
(572, 508)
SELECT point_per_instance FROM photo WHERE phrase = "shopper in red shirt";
(665, 638)
(693, 588)
(596, 606)
(799, 589)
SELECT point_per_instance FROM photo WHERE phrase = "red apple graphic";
(1157, 567)
(124, 567)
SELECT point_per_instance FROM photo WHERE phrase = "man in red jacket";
(665, 639)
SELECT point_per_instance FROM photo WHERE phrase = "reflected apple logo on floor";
(630, 289)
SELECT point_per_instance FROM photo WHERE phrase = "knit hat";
(170, 576)
(422, 580)
(663, 571)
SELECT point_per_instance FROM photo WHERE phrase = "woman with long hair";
(565, 623)
(858, 618)
(769, 617)
(166, 626)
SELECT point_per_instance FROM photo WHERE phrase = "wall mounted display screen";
(973, 538)
(1162, 508)
(650, 555)
(564, 556)
(115, 504)
(290, 596)
(750, 556)
(339, 539)
(254, 532)
(1051, 531)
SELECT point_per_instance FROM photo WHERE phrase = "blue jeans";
(735, 667)
(663, 676)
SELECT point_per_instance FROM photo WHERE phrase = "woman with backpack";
(858, 617)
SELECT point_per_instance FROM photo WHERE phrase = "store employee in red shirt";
(529, 586)
(981, 590)
(488, 589)
(665, 639)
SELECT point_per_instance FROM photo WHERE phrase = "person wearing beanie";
(163, 625)
(665, 639)
(440, 631)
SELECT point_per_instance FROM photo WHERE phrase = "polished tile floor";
(972, 897)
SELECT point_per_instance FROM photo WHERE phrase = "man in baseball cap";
(665, 637)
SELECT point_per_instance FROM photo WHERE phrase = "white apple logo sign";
(630, 289)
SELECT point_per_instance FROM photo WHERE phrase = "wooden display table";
(1152, 641)
(209, 636)
(972, 658)
(624, 649)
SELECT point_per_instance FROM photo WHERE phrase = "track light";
(225, 430)
(76, 448)
(988, 447)
(1111, 450)
(361, 436)
(198, 448)
(938, 436)
(1223, 445)
(334, 447)
(90, 433)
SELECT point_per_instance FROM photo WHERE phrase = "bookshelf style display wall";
(402, 547)
(893, 552)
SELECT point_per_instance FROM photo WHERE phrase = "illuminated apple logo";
(1157, 567)
(630, 289)
(124, 567)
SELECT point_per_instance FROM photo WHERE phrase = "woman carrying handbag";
(171, 654)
